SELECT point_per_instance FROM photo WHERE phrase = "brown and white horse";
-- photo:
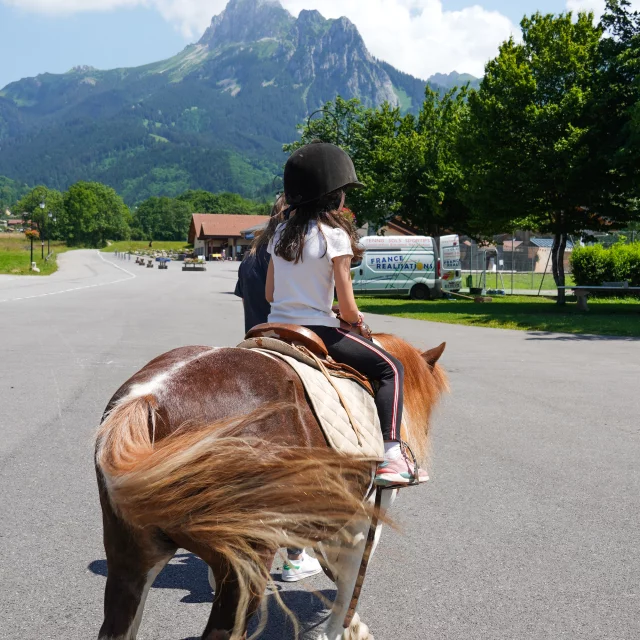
(217, 451)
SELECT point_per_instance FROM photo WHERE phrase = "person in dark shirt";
(252, 275)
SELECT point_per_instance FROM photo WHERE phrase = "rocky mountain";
(214, 116)
(454, 79)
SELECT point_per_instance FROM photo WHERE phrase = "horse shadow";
(185, 572)
(308, 607)
(189, 573)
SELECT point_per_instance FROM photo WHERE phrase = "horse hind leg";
(224, 610)
(134, 560)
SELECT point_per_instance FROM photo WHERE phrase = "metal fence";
(513, 268)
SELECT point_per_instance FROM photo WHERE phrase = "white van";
(450, 263)
(405, 265)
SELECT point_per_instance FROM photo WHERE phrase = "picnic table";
(582, 292)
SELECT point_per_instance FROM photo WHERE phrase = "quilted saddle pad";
(331, 414)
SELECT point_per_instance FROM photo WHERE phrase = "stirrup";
(416, 467)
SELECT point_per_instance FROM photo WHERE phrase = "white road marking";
(130, 275)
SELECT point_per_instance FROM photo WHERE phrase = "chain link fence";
(512, 267)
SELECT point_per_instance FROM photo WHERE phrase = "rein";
(366, 556)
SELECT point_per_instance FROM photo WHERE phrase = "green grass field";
(520, 281)
(143, 245)
(15, 256)
(615, 317)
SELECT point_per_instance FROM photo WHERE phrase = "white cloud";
(417, 36)
(191, 17)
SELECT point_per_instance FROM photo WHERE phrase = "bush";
(594, 265)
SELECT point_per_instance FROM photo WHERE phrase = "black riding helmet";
(316, 170)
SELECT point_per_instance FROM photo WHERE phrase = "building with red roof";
(212, 233)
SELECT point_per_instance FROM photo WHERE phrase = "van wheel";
(420, 292)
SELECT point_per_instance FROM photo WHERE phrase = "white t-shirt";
(304, 291)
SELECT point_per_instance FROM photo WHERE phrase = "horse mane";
(423, 386)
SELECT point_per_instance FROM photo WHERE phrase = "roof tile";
(224, 225)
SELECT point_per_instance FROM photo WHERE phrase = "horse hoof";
(357, 630)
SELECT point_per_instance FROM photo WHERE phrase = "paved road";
(529, 529)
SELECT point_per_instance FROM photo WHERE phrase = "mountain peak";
(453, 79)
(248, 21)
(311, 16)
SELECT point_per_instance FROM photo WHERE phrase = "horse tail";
(234, 494)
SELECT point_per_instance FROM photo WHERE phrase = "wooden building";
(212, 233)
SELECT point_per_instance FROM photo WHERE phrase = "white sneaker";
(305, 567)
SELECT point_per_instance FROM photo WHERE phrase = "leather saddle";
(306, 340)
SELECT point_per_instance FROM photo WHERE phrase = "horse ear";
(433, 355)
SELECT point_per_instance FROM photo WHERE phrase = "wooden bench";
(619, 288)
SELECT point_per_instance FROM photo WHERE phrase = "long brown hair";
(326, 210)
(264, 237)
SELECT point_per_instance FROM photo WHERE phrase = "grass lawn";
(520, 281)
(15, 256)
(143, 245)
(615, 317)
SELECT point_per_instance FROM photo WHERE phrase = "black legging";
(375, 363)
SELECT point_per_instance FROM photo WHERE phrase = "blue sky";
(33, 41)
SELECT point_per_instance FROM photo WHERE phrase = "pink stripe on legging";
(396, 395)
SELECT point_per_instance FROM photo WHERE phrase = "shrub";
(594, 265)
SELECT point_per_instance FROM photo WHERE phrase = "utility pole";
(42, 207)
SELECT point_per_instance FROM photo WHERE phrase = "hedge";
(594, 265)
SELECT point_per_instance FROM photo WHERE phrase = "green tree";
(368, 136)
(431, 179)
(11, 192)
(163, 219)
(615, 109)
(42, 219)
(526, 147)
(93, 214)
(408, 164)
(202, 201)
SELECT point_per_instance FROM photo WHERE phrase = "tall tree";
(615, 139)
(202, 201)
(430, 178)
(11, 192)
(93, 214)
(31, 209)
(366, 135)
(527, 144)
(408, 164)
(163, 219)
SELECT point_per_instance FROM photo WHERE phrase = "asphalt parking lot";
(528, 530)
